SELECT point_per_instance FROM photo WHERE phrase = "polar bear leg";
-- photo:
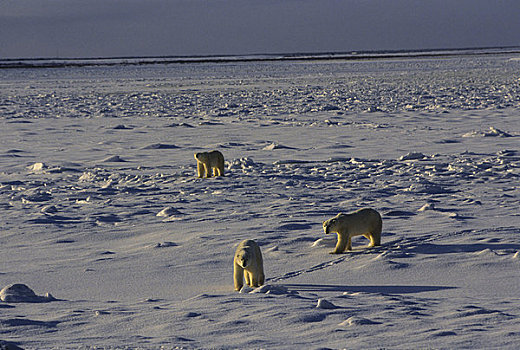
(258, 278)
(220, 167)
(200, 168)
(261, 279)
(349, 244)
(370, 237)
(343, 240)
(376, 233)
(254, 280)
(374, 237)
(207, 170)
(238, 276)
(249, 278)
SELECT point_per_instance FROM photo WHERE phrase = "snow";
(102, 209)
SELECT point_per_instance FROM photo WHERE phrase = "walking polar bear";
(366, 222)
(208, 162)
(248, 263)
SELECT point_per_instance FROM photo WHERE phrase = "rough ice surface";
(101, 205)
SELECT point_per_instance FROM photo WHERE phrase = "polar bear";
(248, 263)
(366, 222)
(208, 161)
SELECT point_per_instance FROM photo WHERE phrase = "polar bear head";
(201, 157)
(331, 225)
(243, 258)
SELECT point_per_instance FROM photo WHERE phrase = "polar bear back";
(208, 162)
(213, 159)
(359, 222)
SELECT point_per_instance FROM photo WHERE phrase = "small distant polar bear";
(366, 222)
(208, 162)
(248, 263)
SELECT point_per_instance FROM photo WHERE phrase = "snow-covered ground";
(90, 155)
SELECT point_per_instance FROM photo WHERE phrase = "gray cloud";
(93, 28)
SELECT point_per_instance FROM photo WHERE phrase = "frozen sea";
(101, 207)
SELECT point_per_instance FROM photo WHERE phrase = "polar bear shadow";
(358, 245)
(378, 289)
(432, 248)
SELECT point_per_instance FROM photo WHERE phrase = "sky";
(115, 28)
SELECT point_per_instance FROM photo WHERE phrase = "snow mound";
(87, 177)
(113, 159)
(160, 146)
(492, 132)
(324, 242)
(274, 145)
(165, 244)
(168, 211)
(272, 289)
(246, 289)
(49, 209)
(506, 153)
(427, 206)
(496, 132)
(357, 321)
(325, 304)
(20, 293)
(413, 156)
(122, 127)
(242, 163)
(37, 168)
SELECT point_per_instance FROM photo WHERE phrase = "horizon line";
(261, 57)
